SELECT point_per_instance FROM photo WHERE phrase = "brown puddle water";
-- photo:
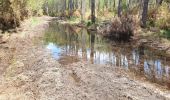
(68, 44)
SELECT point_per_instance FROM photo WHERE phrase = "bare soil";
(28, 72)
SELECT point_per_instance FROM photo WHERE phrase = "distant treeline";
(12, 12)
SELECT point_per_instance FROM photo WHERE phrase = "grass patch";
(165, 33)
(35, 21)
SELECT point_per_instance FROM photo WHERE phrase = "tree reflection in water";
(66, 40)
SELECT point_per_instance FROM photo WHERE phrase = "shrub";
(163, 17)
(119, 28)
(17, 10)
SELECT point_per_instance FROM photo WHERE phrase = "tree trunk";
(119, 8)
(83, 9)
(89, 3)
(93, 11)
(73, 4)
(98, 6)
(46, 7)
(76, 4)
(159, 2)
(70, 6)
(65, 2)
(106, 3)
(114, 4)
(144, 13)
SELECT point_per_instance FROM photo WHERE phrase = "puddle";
(68, 44)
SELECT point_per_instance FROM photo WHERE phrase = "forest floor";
(28, 72)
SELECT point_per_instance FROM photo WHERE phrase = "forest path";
(28, 72)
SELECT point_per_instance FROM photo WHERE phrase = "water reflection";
(73, 41)
(135, 55)
(54, 49)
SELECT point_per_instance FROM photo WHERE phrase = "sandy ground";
(28, 72)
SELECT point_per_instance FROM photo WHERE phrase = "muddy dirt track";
(28, 72)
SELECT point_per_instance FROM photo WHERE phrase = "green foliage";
(124, 5)
(165, 33)
(88, 23)
(35, 6)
